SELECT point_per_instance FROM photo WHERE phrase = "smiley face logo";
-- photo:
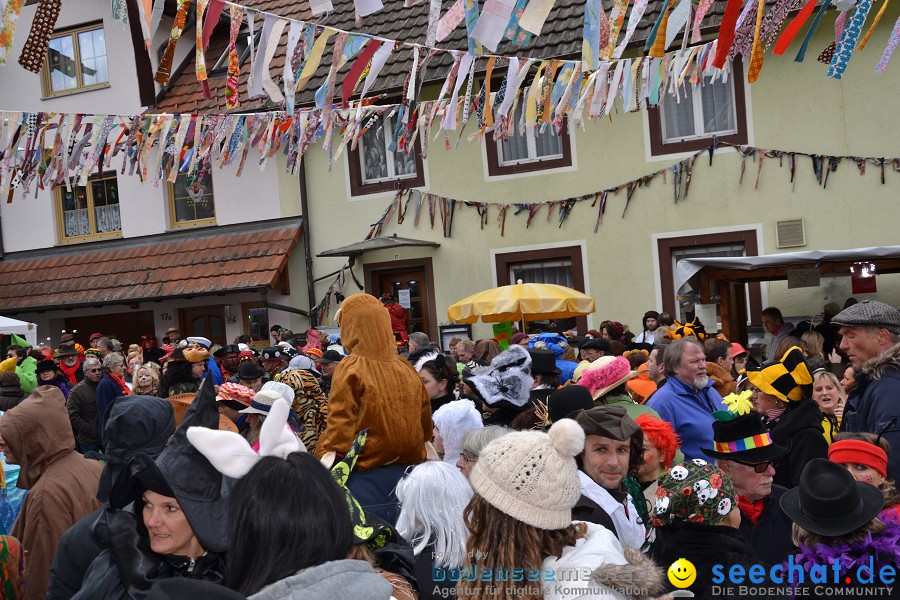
(682, 573)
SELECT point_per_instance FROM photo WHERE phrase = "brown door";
(203, 321)
(417, 280)
(126, 327)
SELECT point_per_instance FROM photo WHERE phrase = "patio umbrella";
(522, 301)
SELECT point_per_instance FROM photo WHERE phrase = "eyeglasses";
(759, 467)
(468, 457)
(92, 370)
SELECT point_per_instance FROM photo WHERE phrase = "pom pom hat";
(532, 476)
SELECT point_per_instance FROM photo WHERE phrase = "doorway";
(127, 327)
(414, 276)
(203, 321)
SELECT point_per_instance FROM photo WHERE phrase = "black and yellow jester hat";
(373, 534)
(693, 328)
(788, 380)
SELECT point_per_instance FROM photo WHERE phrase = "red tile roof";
(207, 263)
(560, 38)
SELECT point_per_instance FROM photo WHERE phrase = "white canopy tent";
(22, 329)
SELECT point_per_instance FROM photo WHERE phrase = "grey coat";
(336, 580)
(82, 407)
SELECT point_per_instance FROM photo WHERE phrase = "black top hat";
(566, 400)
(828, 502)
(543, 362)
(250, 370)
(744, 438)
(229, 349)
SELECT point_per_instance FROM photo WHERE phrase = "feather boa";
(885, 548)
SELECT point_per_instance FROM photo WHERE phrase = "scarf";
(70, 371)
(121, 383)
(773, 413)
(752, 510)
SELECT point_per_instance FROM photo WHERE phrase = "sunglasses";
(759, 467)
(93, 370)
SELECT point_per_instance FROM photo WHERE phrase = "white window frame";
(697, 101)
(384, 120)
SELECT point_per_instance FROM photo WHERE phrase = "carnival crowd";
(373, 465)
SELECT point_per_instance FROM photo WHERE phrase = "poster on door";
(403, 298)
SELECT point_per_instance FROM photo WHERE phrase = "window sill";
(90, 238)
(81, 90)
(193, 224)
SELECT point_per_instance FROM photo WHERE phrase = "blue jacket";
(689, 412)
(873, 404)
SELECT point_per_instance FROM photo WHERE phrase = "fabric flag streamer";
(637, 13)
(351, 80)
(514, 32)
(698, 20)
(794, 27)
(590, 42)
(659, 43)
(812, 30)
(889, 49)
(314, 58)
(451, 20)
(536, 13)
(471, 21)
(234, 64)
(726, 31)
(654, 31)
(492, 24)
(378, 60)
(164, 70)
(434, 15)
(364, 8)
(9, 17)
(268, 84)
(616, 20)
(200, 55)
(677, 21)
(756, 55)
(32, 57)
(212, 19)
(317, 7)
(874, 24)
(254, 83)
(287, 74)
(849, 37)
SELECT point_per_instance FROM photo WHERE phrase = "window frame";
(73, 32)
(246, 307)
(173, 223)
(92, 219)
(359, 188)
(658, 145)
(215, 71)
(497, 168)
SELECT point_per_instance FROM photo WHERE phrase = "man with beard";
(227, 359)
(612, 450)
(688, 399)
(70, 363)
(651, 323)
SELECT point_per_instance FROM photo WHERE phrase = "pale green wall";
(793, 107)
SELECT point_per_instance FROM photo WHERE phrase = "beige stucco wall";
(793, 107)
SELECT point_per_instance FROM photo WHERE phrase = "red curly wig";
(662, 435)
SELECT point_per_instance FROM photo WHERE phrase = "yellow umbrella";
(522, 301)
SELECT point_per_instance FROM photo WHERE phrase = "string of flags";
(442, 210)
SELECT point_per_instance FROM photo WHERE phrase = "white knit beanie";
(532, 476)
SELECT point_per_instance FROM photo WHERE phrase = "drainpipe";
(307, 245)
(265, 301)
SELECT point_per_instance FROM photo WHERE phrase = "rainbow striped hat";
(743, 438)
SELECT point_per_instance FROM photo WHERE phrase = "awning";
(378, 243)
(689, 267)
(192, 263)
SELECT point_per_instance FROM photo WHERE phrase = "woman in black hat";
(165, 518)
(793, 418)
(836, 517)
(47, 374)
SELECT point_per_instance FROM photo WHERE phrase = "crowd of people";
(372, 466)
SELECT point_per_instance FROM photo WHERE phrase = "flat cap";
(869, 313)
(607, 421)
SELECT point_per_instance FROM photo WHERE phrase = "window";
(560, 266)
(715, 108)
(91, 211)
(256, 323)
(374, 167)
(524, 151)
(76, 60)
(192, 201)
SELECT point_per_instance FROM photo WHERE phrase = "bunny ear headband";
(232, 455)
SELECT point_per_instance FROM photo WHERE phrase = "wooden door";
(127, 327)
(414, 276)
(203, 321)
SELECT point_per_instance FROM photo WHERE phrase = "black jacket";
(873, 406)
(800, 429)
(82, 407)
(76, 551)
(10, 395)
(705, 546)
(770, 538)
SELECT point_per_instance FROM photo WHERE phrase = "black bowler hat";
(543, 362)
(566, 400)
(828, 502)
(250, 370)
(743, 438)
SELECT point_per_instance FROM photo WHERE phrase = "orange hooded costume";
(374, 388)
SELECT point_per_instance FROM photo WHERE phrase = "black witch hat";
(181, 472)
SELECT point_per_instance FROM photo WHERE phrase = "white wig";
(454, 420)
(432, 499)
